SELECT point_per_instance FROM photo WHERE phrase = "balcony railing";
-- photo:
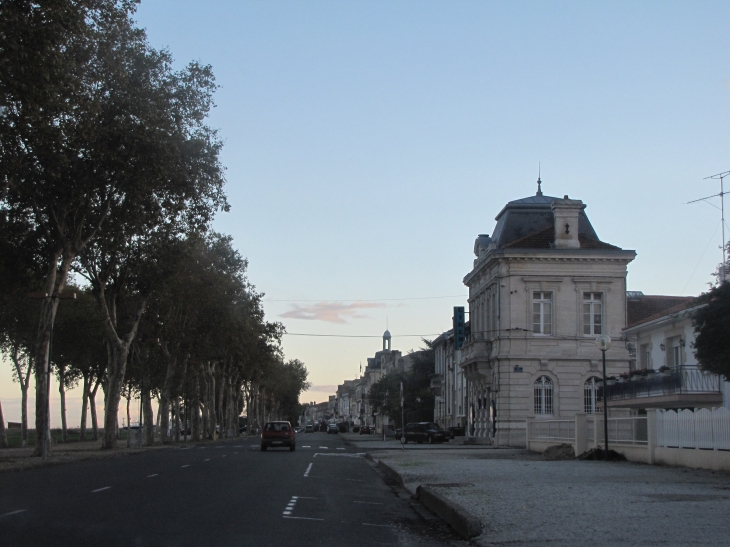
(677, 380)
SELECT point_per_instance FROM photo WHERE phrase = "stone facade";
(448, 384)
(542, 288)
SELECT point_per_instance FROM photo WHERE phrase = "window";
(675, 356)
(542, 312)
(645, 356)
(590, 395)
(592, 312)
(543, 395)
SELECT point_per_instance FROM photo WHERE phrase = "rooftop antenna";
(721, 195)
(539, 182)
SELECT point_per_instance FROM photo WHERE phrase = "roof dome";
(386, 334)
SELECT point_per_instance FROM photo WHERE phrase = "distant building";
(542, 288)
(448, 384)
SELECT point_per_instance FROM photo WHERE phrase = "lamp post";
(603, 342)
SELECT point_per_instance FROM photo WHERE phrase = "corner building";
(542, 288)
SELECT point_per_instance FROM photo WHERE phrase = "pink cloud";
(332, 312)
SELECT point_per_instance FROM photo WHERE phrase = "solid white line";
(306, 473)
(100, 489)
(368, 502)
(301, 518)
(12, 513)
(153, 475)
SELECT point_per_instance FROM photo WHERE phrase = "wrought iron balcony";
(678, 386)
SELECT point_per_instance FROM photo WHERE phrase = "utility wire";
(373, 300)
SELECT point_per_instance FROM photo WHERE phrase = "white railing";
(631, 430)
(702, 428)
(553, 430)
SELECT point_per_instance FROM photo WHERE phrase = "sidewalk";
(376, 442)
(521, 499)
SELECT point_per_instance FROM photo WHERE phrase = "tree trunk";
(129, 425)
(92, 408)
(119, 353)
(195, 406)
(149, 430)
(62, 393)
(3, 434)
(24, 379)
(84, 405)
(54, 283)
(178, 421)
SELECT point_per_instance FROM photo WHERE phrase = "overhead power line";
(369, 300)
(359, 335)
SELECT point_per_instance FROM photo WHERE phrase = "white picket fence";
(701, 428)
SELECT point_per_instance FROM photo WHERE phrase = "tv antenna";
(721, 195)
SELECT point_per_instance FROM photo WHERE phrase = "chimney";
(566, 213)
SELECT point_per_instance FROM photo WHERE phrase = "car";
(332, 428)
(278, 435)
(425, 432)
(343, 427)
(355, 429)
(365, 430)
(309, 428)
(457, 431)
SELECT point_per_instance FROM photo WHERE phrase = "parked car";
(309, 428)
(365, 430)
(457, 431)
(398, 433)
(429, 432)
(343, 427)
(278, 435)
(323, 426)
(332, 428)
(356, 429)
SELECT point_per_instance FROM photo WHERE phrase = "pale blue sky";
(368, 143)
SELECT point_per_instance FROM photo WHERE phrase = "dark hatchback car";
(425, 432)
(365, 430)
(332, 428)
(278, 435)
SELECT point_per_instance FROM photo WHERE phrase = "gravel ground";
(522, 499)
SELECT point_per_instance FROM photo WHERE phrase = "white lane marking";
(301, 518)
(152, 475)
(368, 502)
(224, 456)
(206, 460)
(287, 512)
(325, 447)
(304, 498)
(383, 525)
(183, 466)
(306, 446)
(100, 489)
(12, 513)
(306, 473)
(340, 449)
(339, 454)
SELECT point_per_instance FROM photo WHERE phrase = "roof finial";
(539, 182)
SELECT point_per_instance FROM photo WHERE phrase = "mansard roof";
(544, 240)
(531, 215)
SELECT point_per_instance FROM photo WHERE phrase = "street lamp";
(603, 342)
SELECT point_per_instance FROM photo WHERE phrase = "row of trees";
(110, 179)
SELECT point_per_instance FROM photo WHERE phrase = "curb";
(462, 521)
(465, 524)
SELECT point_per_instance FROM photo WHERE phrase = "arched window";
(543, 395)
(590, 395)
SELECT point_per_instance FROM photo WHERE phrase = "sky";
(367, 144)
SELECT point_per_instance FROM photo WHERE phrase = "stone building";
(448, 384)
(542, 288)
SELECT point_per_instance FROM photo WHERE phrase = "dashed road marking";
(302, 518)
(100, 489)
(325, 447)
(309, 468)
(306, 446)
(16, 512)
(152, 475)
(340, 449)
(184, 466)
(381, 525)
(206, 459)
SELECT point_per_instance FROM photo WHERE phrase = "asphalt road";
(218, 494)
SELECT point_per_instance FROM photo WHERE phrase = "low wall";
(715, 460)
(541, 445)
